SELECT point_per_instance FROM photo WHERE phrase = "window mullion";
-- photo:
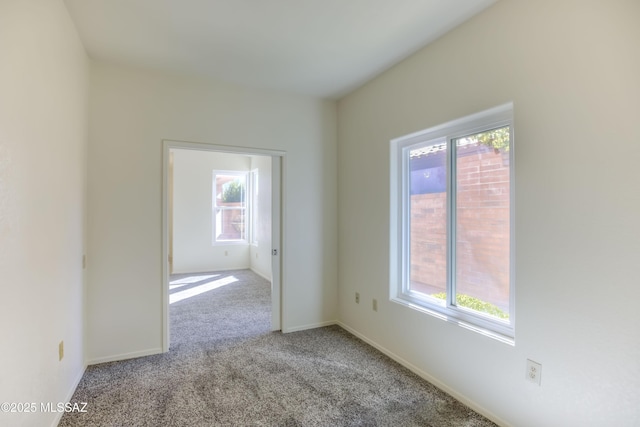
(451, 222)
(406, 222)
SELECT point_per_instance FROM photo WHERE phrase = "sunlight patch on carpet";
(189, 280)
(197, 290)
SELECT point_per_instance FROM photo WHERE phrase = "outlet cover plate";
(534, 372)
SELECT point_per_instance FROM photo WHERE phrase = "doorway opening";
(221, 212)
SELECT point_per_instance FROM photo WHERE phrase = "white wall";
(193, 250)
(571, 67)
(260, 253)
(131, 112)
(43, 133)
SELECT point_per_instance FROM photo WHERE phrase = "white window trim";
(252, 207)
(214, 206)
(399, 225)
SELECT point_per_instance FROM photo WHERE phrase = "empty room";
(403, 214)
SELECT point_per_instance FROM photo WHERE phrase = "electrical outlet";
(534, 371)
(60, 350)
(375, 304)
(357, 297)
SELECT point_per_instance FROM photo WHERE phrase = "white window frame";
(252, 196)
(215, 208)
(501, 116)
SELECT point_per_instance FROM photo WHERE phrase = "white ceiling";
(322, 48)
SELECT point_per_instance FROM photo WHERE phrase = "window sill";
(505, 339)
(231, 243)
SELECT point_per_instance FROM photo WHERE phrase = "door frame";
(277, 225)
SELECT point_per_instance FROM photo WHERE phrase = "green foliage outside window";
(475, 304)
(233, 192)
(498, 139)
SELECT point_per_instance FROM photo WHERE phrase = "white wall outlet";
(375, 304)
(534, 371)
(357, 297)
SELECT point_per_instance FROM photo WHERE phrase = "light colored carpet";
(225, 368)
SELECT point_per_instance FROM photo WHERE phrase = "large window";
(230, 222)
(451, 221)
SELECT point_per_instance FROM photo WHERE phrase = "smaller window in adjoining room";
(452, 222)
(253, 206)
(230, 210)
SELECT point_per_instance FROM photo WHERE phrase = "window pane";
(230, 224)
(230, 190)
(428, 219)
(230, 207)
(483, 222)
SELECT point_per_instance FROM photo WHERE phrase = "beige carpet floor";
(225, 368)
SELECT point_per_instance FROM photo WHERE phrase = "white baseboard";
(310, 326)
(72, 390)
(260, 274)
(466, 401)
(124, 356)
(209, 270)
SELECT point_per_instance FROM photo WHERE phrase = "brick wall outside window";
(482, 231)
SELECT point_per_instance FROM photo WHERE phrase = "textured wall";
(43, 136)
(571, 69)
(132, 111)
